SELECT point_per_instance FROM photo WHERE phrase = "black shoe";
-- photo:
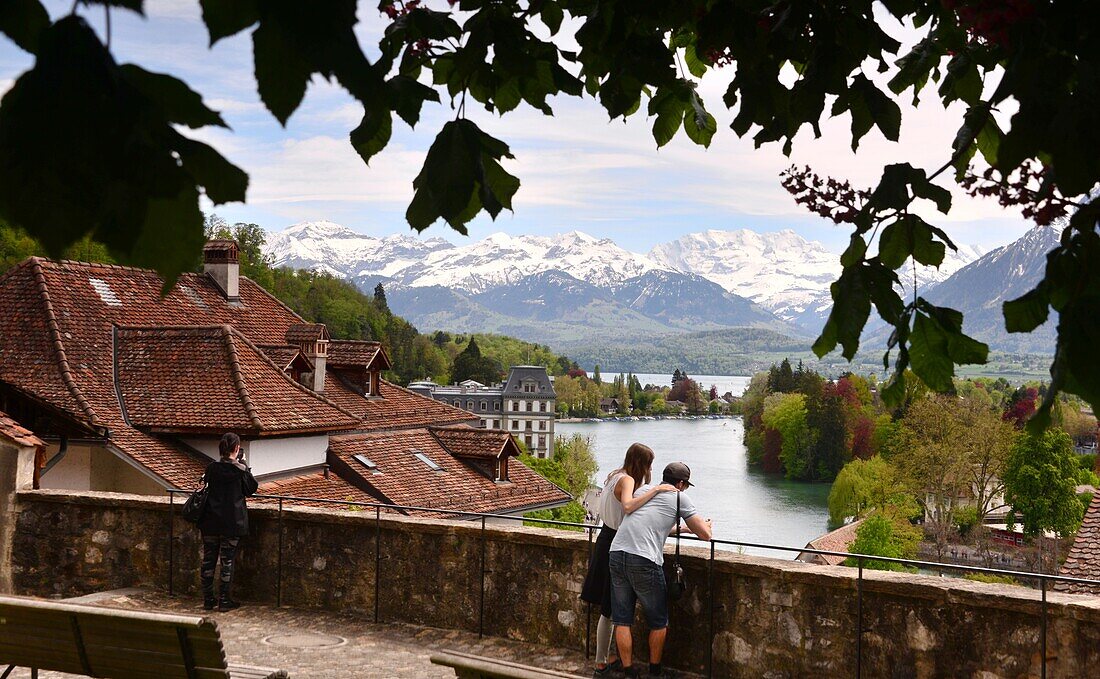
(608, 669)
(225, 600)
(632, 672)
(209, 603)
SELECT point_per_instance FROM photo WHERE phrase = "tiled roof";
(306, 332)
(283, 355)
(398, 408)
(488, 444)
(211, 378)
(175, 467)
(316, 485)
(1084, 557)
(14, 432)
(836, 541)
(406, 480)
(353, 353)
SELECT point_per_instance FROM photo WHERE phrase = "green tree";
(881, 535)
(380, 298)
(572, 468)
(471, 365)
(932, 460)
(786, 414)
(596, 374)
(1040, 483)
(863, 486)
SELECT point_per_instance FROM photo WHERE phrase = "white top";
(644, 532)
(610, 510)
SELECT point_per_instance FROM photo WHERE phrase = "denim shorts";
(635, 578)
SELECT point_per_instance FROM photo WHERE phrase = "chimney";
(312, 339)
(221, 262)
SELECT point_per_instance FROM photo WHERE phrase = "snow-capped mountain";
(782, 271)
(980, 288)
(326, 246)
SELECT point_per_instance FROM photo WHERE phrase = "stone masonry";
(771, 618)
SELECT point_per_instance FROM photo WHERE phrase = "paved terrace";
(317, 643)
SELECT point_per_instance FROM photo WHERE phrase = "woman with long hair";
(615, 501)
(225, 520)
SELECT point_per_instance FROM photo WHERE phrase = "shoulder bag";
(677, 585)
(195, 506)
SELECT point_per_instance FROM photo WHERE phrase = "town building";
(1083, 560)
(839, 540)
(131, 391)
(523, 405)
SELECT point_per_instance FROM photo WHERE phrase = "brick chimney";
(221, 262)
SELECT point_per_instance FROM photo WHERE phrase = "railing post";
(1043, 629)
(377, 555)
(279, 563)
(481, 603)
(859, 620)
(588, 616)
(171, 542)
(710, 619)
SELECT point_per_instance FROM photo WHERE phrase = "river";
(745, 505)
(735, 384)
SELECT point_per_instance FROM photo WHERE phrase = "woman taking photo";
(615, 501)
(225, 520)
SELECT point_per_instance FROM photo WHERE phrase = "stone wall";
(771, 618)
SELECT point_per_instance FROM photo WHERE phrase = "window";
(458, 403)
(529, 387)
(542, 425)
(542, 406)
(527, 440)
(365, 461)
(469, 405)
(515, 406)
(484, 406)
(515, 424)
(496, 406)
(542, 442)
(428, 461)
(530, 406)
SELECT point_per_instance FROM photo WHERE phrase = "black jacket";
(226, 514)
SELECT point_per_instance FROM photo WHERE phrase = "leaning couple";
(627, 562)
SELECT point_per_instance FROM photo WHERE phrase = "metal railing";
(1044, 579)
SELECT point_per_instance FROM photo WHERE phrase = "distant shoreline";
(641, 418)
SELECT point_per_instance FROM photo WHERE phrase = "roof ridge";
(58, 343)
(238, 379)
(265, 291)
(17, 267)
(267, 359)
(473, 416)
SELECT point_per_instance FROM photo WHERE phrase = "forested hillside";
(321, 298)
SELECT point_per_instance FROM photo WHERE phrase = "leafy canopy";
(90, 146)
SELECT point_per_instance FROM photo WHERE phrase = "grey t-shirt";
(644, 532)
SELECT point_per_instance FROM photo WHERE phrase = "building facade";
(523, 405)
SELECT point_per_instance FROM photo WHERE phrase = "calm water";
(732, 383)
(745, 506)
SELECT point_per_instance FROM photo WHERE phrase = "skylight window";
(366, 462)
(105, 292)
(427, 460)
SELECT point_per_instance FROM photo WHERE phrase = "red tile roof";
(353, 353)
(404, 479)
(489, 444)
(1084, 557)
(316, 485)
(398, 408)
(16, 433)
(196, 378)
(836, 541)
(306, 332)
(284, 356)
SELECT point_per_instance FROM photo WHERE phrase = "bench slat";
(249, 672)
(466, 665)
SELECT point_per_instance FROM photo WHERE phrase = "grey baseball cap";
(677, 471)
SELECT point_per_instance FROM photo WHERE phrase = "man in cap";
(637, 558)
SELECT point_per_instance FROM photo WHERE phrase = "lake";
(745, 505)
(735, 384)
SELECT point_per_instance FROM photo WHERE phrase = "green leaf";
(928, 353)
(282, 72)
(1027, 312)
(669, 108)
(909, 236)
(22, 21)
(171, 236)
(224, 182)
(882, 110)
(695, 66)
(177, 102)
(224, 18)
(373, 133)
(409, 96)
(552, 15)
(699, 125)
(132, 5)
(460, 177)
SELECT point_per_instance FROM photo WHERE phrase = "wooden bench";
(104, 642)
(468, 666)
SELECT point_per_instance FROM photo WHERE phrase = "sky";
(579, 171)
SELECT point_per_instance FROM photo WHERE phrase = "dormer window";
(502, 469)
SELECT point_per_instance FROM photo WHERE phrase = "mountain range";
(572, 290)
